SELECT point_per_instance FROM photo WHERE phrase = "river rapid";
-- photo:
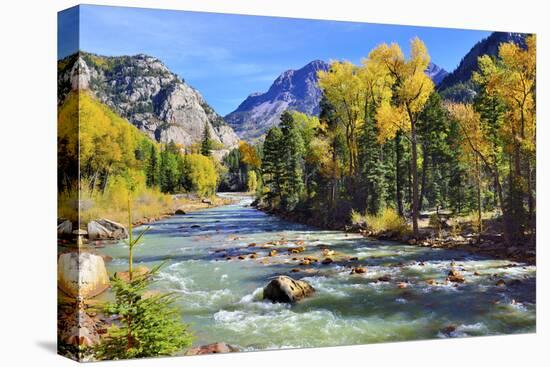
(221, 300)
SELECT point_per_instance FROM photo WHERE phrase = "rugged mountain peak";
(436, 73)
(143, 90)
(292, 90)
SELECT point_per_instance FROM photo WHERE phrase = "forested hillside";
(458, 86)
(116, 161)
(387, 146)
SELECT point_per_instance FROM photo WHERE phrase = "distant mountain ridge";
(436, 73)
(293, 90)
(487, 46)
(144, 91)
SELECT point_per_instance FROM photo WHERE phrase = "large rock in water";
(105, 229)
(287, 290)
(82, 274)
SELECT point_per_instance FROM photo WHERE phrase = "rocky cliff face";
(141, 89)
(293, 90)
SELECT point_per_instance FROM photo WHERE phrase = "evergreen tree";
(273, 165)
(148, 325)
(169, 168)
(206, 142)
(371, 169)
(292, 178)
(152, 169)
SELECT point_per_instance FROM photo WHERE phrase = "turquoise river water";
(221, 299)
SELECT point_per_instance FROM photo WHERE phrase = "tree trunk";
(398, 193)
(423, 180)
(414, 169)
(505, 217)
(478, 184)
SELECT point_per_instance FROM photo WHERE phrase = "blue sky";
(227, 57)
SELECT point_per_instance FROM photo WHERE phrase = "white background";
(28, 174)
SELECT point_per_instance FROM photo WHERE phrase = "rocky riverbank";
(489, 244)
(102, 231)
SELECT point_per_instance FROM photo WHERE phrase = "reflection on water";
(222, 299)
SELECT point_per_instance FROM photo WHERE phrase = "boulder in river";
(327, 261)
(384, 278)
(180, 211)
(212, 349)
(287, 290)
(358, 270)
(455, 276)
(105, 229)
(82, 274)
(327, 252)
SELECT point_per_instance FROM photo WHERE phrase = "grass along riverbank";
(443, 231)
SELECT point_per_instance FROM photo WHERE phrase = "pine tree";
(206, 143)
(148, 325)
(273, 165)
(169, 168)
(371, 170)
(292, 179)
(152, 168)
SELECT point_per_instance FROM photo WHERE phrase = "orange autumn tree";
(404, 100)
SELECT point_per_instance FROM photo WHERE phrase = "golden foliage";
(251, 181)
(390, 120)
(202, 174)
(388, 220)
(344, 89)
(398, 110)
(249, 155)
(473, 140)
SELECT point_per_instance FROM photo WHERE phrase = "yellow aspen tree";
(512, 77)
(515, 82)
(400, 109)
(474, 145)
(343, 89)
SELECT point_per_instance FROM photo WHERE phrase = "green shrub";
(357, 219)
(148, 324)
(388, 220)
